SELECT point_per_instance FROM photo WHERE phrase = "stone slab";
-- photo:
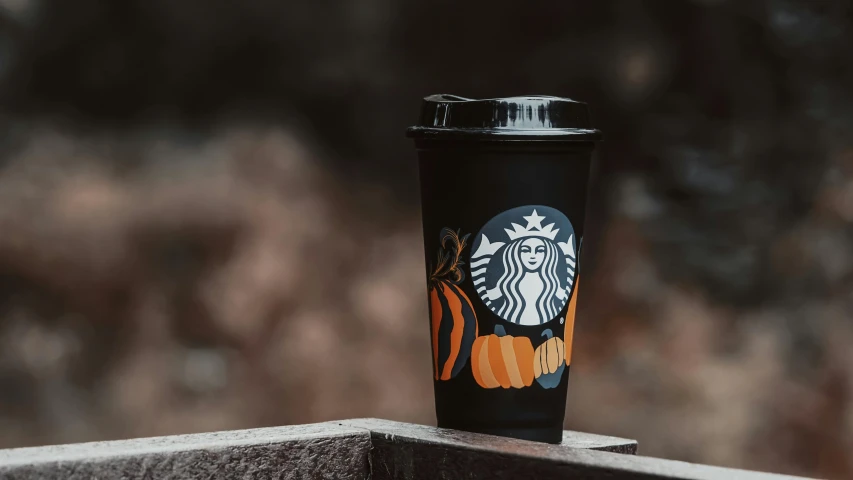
(416, 452)
(352, 449)
(588, 441)
(322, 451)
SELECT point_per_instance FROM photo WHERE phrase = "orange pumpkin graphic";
(570, 322)
(454, 328)
(549, 361)
(501, 360)
(452, 318)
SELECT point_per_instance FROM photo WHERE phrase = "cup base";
(538, 434)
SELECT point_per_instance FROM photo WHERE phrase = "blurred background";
(209, 215)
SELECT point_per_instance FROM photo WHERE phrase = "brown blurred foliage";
(209, 220)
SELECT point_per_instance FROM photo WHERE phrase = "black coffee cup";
(503, 188)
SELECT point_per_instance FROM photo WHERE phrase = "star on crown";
(534, 228)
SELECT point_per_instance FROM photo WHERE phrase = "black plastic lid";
(533, 117)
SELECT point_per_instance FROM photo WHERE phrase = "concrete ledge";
(325, 450)
(459, 439)
(416, 452)
(352, 449)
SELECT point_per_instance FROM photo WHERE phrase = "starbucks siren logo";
(525, 274)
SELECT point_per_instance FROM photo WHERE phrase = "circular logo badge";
(523, 264)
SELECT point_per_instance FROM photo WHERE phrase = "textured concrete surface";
(416, 452)
(325, 450)
(348, 450)
(416, 461)
(459, 438)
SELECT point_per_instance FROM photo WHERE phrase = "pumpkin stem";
(500, 330)
(548, 333)
(449, 257)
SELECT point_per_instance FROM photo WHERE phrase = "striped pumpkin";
(549, 361)
(500, 360)
(570, 323)
(454, 328)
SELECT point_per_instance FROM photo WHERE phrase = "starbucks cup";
(503, 189)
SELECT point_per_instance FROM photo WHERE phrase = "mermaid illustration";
(528, 285)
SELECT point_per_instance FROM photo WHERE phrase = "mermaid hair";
(513, 273)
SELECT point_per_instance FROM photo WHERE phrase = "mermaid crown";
(534, 228)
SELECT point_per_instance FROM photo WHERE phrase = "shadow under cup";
(503, 189)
